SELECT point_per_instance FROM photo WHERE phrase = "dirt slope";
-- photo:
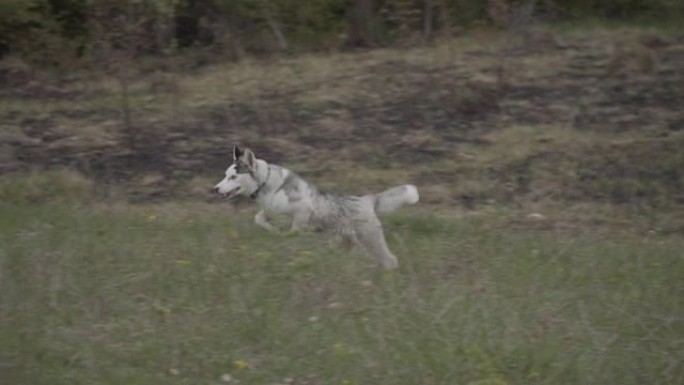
(580, 117)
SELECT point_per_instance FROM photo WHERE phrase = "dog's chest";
(278, 203)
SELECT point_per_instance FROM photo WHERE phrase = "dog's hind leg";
(371, 237)
(350, 241)
(262, 220)
(300, 220)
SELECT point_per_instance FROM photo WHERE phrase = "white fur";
(392, 199)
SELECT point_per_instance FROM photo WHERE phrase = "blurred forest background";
(48, 32)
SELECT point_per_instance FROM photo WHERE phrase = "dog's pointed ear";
(237, 153)
(250, 159)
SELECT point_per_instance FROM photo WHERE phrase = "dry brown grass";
(474, 120)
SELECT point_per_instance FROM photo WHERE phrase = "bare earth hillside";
(575, 117)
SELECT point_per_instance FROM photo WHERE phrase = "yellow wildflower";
(240, 364)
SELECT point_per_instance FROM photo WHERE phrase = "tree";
(363, 24)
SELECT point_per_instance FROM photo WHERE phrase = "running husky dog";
(278, 190)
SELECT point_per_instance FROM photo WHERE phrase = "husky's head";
(239, 178)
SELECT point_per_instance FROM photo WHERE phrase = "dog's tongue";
(231, 193)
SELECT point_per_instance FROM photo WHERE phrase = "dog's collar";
(255, 194)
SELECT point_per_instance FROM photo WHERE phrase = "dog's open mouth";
(230, 194)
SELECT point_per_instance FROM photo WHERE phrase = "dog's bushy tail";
(390, 200)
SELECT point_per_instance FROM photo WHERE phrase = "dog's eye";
(233, 177)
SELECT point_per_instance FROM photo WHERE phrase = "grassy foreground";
(196, 294)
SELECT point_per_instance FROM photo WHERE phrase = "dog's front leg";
(262, 220)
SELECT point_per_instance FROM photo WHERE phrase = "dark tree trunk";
(428, 19)
(363, 24)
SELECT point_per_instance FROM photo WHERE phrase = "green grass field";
(197, 294)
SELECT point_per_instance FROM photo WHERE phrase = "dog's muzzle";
(230, 194)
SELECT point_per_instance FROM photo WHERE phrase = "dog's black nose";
(214, 189)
